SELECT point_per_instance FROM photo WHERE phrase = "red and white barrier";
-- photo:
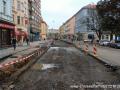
(11, 66)
(94, 50)
(86, 48)
(15, 61)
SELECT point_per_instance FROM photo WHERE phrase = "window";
(13, 18)
(107, 36)
(25, 11)
(22, 20)
(18, 5)
(4, 7)
(18, 19)
(22, 6)
(32, 17)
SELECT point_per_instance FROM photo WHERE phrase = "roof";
(89, 6)
(43, 22)
(92, 6)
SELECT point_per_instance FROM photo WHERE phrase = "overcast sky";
(56, 12)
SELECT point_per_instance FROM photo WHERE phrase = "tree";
(109, 11)
(79, 36)
(94, 21)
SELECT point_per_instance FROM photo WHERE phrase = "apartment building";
(6, 23)
(34, 19)
(53, 33)
(69, 27)
(43, 32)
(84, 23)
(21, 18)
(61, 31)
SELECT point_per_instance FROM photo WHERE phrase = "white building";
(53, 33)
(84, 24)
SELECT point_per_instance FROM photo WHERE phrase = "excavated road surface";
(64, 67)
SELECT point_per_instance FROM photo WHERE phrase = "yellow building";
(20, 15)
(44, 28)
(61, 31)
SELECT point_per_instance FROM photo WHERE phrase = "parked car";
(104, 42)
(115, 44)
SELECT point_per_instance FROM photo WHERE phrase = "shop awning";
(3, 25)
(25, 33)
(21, 33)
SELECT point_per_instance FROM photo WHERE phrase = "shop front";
(6, 34)
(21, 36)
(34, 36)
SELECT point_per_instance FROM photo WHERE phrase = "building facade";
(20, 17)
(62, 31)
(53, 33)
(43, 32)
(84, 23)
(69, 28)
(6, 23)
(34, 19)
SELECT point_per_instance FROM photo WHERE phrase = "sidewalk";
(108, 55)
(9, 51)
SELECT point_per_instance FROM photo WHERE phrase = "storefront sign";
(6, 26)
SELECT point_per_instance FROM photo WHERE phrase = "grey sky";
(55, 12)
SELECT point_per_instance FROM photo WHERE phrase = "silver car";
(104, 42)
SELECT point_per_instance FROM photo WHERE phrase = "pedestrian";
(27, 40)
(14, 43)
